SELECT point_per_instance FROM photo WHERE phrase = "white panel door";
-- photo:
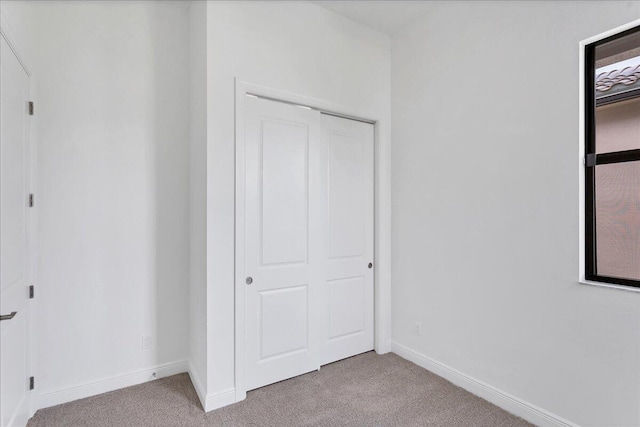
(282, 244)
(14, 260)
(347, 294)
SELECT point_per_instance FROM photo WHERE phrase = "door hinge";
(31, 202)
(31, 108)
(32, 292)
(32, 383)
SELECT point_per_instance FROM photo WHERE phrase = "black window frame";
(592, 159)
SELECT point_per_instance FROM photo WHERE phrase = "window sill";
(583, 281)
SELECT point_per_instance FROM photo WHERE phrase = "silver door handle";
(8, 316)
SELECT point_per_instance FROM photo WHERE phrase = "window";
(612, 159)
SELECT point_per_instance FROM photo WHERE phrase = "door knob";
(249, 280)
(370, 265)
(8, 316)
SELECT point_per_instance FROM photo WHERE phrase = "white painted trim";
(609, 285)
(112, 383)
(213, 401)
(220, 399)
(609, 33)
(197, 385)
(33, 239)
(504, 400)
(209, 402)
(239, 352)
(581, 166)
(581, 140)
(382, 242)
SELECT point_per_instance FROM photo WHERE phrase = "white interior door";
(308, 240)
(282, 241)
(14, 259)
(347, 294)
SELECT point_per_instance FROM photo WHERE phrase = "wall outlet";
(417, 328)
(146, 342)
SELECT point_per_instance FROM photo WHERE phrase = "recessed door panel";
(285, 191)
(284, 321)
(347, 299)
(346, 181)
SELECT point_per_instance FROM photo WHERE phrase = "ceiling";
(383, 15)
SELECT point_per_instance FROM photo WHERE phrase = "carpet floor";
(364, 390)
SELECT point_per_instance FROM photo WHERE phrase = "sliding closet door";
(308, 240)
(347, 292)
(283, 241)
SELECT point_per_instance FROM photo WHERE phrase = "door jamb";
(382, 208)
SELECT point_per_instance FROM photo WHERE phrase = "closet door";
(347, 192)
(283, 241)
(15, 249)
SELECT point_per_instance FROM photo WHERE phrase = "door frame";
(16, 46)
(382, 216)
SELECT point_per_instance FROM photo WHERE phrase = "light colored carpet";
(365, 390)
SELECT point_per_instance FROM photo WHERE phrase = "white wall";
(485, 208)
(485, 112)
(113, 199)
(18, 26)
(297, 47)
(198, 195)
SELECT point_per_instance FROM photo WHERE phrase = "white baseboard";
(211, 401)
(383, 348)
(220, 399)
(105, 385)
(226, 397)
(506, 401)
(197, 384)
